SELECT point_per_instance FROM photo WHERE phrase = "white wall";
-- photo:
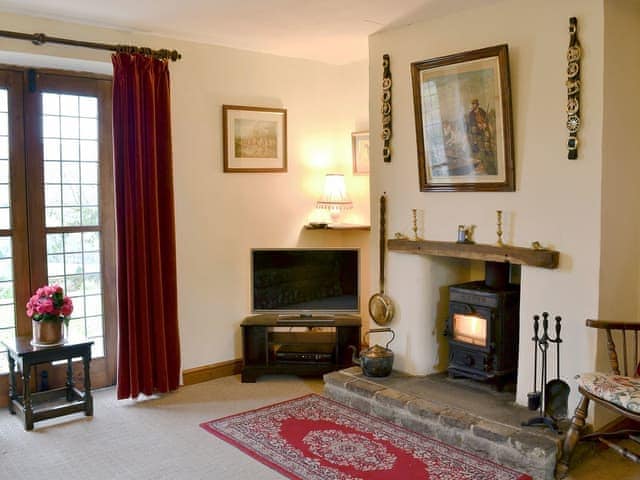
(556, 202)
(621, 165)
(619, 262)
(220, 217)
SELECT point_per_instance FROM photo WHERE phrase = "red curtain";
(148, 341)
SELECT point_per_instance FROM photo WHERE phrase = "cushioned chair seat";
(619, 390)
(612, 390)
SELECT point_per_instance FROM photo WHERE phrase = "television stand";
(269, 351)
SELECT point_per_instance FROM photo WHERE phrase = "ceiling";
(331, 31)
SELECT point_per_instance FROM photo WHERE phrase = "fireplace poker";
(535, 396)
(543, 344)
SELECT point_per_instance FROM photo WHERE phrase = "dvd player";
(305, 352)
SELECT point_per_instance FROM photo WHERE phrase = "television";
(305, 281)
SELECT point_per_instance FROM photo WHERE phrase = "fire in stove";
(470, 329)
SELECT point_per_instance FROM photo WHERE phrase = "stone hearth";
(463, 413)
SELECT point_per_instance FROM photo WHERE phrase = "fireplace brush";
(556, 394)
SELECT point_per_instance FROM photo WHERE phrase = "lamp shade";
(335, 197)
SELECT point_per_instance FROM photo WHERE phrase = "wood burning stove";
(482, 327)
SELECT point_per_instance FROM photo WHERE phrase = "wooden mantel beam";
(475, 251)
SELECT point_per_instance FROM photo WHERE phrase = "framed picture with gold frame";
(254, 139)
(462, 107)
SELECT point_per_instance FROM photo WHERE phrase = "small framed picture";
(254, 139)
(462, 106)
(360, 152)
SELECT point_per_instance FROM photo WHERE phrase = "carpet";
(315, 438)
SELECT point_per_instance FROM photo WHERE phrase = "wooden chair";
(617, 392)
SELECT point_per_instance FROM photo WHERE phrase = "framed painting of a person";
(462, 106)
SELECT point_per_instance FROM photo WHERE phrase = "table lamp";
(334, 198)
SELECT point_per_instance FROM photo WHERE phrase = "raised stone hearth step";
(420, 404)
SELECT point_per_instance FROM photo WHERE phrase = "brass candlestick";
(416, 237)
(499, 230)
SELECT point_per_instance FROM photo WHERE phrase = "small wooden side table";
(32, 406)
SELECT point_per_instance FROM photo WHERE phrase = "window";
(71, 199)
(7, 297)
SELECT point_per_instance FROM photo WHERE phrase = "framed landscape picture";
(254, 139)
(462, 107)
(360, 152)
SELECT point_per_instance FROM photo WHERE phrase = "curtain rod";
(41, 39)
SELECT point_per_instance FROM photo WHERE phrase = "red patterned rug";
(314, 438)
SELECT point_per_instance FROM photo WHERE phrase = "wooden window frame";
(27, 195)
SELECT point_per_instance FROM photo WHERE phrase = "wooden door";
(68, 187)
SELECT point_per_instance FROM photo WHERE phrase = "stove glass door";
(470, 329)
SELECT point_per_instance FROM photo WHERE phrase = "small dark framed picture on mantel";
(462, 107)
(254, 139)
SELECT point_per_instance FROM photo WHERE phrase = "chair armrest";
(613, 325)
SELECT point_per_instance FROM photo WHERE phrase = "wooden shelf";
(474, 251)
(338, 226)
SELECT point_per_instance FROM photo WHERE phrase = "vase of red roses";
(49, 309)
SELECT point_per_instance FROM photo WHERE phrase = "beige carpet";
(159, 438)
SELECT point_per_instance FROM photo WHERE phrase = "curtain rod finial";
(39, 39)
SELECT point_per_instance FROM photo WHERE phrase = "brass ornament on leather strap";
(386, 108)
(573, 69)
(574, 55)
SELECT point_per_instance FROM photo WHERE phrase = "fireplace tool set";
(552, 398)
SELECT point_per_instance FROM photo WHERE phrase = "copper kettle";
(376, 361)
